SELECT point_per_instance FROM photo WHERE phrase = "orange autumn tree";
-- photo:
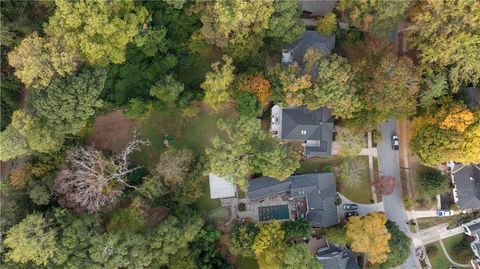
(369, 235)
(257, 85)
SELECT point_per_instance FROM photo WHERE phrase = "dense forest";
(187, 82)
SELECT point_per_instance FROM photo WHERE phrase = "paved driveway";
(393, 203)
(363, 209)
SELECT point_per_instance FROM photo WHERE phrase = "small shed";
(220, 188)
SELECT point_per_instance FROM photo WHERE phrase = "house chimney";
(287, 56)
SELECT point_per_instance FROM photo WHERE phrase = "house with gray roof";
(313, 128)
(313, 195)
(333, 257)
(294, 52)
(466, 182)
(472, 229)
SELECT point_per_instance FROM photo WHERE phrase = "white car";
(395, 142)
(444, 213)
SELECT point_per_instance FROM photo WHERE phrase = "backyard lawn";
(191, 133)
(441, 262)
(360, 191)
(425, 223)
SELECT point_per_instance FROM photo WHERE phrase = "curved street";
(393, 203)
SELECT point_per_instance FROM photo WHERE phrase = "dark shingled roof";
(311, 39)
(302, 124)
(467, 181)
(337, 258)
(318, 188)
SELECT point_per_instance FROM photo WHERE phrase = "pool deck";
(251, 210)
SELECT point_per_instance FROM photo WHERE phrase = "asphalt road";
(393, 203)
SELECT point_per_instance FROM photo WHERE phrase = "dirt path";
(111, 132)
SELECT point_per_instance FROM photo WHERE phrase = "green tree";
(447, 33)
(248, 105)
(205, 249)
(31, 240)
(389, 84)
(36, 60)
(399, 246)
(248, 149)
(38, 136)
(337, 234)
(120, 250)
(137, 108)
(378, 17)
(67, 104)
(100, 31)
(173, 235)
(167, 90)
(74, 239)
(242, 237)
(12, 144)
(297, 228)
(434, 86)
(327, 25)
(217, 83)
(237, 26)
(285, 25)
(434, 183)
(269, 246)
(10, 92)
(299, 256)
(153, 41)
(334, 87)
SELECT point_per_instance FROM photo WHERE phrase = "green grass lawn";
(425, 223)
(246, 263)
(451, 244)
(423, 201)
(360, 193)
(191, 133)
(439, 261)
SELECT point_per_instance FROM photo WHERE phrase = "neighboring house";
(313, 128)
(311, 196)
(312, 10)
(466, 182)
(220, 188)
(472, 228)
(294, 52)
(333, 257)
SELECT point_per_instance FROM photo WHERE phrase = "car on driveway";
(351, 213)
(395, 142)
(444, 213)
(350, 207)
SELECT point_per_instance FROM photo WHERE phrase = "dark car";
(350, 207)
(395, 142)
(351, 213)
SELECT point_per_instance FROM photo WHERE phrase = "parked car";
(444, 213)
(350, 207)
(395, 142)
(351, 213)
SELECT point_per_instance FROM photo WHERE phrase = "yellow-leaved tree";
(369, 235)
(269, 246)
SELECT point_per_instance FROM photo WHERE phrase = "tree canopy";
(249, 149)
(399, 246)
(269, 245)
(447, 33)
(217, 83)
(369, 234)
(100, 31)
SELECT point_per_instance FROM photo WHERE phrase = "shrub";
(248, 105)
(137, 109)
(327, 25)
(432, 251)
(241, 207)
(434, 183)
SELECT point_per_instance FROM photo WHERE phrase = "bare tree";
(93, 181)
(173, 166)
(384, 185)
